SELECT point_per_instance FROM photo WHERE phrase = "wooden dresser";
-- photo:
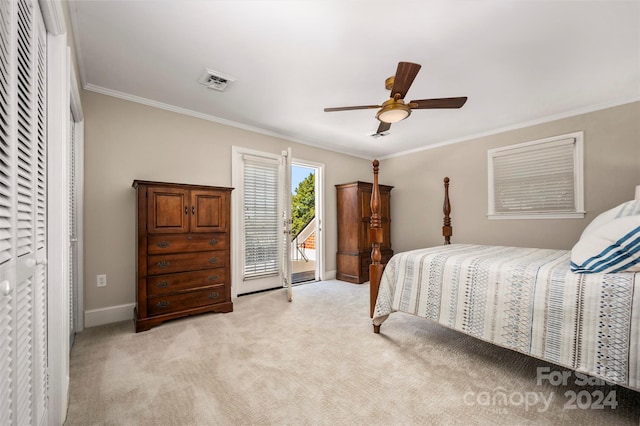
(183, 251)
(354, 217)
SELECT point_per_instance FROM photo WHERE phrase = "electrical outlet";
(101, 280)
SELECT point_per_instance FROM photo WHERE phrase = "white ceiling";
(518, 62)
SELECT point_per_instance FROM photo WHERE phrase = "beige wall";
(612, 169)
(126, 141)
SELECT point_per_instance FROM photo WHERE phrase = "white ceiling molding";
(53, 16)
(196, 114)
(517, 126)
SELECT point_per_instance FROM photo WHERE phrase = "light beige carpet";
(316, 361)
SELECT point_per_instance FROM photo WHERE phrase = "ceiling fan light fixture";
(394, 111)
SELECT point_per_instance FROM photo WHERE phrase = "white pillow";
(611, 242)
(601, 219)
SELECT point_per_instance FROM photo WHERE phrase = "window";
(537, 179)
(261, 231)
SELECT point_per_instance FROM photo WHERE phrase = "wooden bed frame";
(375, 236)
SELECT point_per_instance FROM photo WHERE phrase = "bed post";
(446, 209)
(375, 236)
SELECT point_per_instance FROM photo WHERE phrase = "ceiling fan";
(395, 109)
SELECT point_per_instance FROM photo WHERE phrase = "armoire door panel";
(169, 210)
(208, 212)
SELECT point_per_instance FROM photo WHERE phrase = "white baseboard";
(329, 275)
(95, 317)
(108, 315)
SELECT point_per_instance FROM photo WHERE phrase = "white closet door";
(40, 277)
(7, 220)
(23, 189)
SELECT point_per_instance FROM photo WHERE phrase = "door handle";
(30, 263)
(6, 287)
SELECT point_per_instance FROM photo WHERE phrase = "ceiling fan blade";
(383, 127)
(438, 103)
(405, 74)
(351, 108)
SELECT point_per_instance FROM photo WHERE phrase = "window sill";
(508, 216)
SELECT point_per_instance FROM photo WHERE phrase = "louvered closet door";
(7, 234)
(23, 362)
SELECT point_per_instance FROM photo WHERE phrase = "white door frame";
(77, 116)
(58, 229)
(63, 101)
(319, 213)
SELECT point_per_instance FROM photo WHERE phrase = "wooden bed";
(525, 299)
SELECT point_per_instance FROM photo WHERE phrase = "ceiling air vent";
(215, 80)
(379, 135)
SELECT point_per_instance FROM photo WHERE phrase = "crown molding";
(547, 119)
(213, 118)
(53, 16)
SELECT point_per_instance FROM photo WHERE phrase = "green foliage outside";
(303, 204)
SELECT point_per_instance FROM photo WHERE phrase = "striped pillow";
(612, 246)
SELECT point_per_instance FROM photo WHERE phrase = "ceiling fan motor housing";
(393, 111)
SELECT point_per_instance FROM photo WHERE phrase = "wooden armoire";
(354, 217)
(183, 251)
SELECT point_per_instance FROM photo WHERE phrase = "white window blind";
(538, 179)
(261, 237)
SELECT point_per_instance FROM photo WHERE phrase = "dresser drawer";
(172, 243)
(173, 283)
(192, 299)
(183, 262)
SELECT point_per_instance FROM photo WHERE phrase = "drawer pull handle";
(213, 295)
(162, 264)
(162, 304)
(162, 284)
(213, 242)
(212, 277)
(213, 260)
(163, 244)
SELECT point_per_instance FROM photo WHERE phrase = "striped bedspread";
(524, 299)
